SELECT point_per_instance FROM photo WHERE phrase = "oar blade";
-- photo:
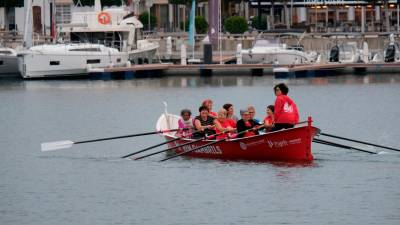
(51, 146)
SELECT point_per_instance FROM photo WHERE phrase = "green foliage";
(144, 18)
(201, 25)
(259, 25)
(236, 25)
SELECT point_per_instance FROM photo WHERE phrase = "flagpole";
(219, 32)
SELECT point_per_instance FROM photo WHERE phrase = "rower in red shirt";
(286, 114)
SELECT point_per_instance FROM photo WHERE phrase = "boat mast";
(28, 26)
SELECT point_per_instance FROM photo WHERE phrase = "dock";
(280, 71)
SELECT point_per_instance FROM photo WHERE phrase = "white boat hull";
(286, 57)
(8, 65)
(41, 64)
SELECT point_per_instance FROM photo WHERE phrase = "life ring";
(104, 18)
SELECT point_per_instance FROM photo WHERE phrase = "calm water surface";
(89, 184)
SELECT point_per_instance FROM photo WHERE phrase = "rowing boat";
(292, 144)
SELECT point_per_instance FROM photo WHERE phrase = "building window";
(63, 14)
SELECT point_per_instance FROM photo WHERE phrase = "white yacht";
(8, 62)
(113, 27)
(67, 59)
(270, 51)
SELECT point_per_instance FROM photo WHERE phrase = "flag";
(213, 19)
(192, 27)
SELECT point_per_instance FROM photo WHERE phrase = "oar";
(361, 142)
(324, 142)
(50, 146)
(215, 142)
(181, 145)
(154, 146)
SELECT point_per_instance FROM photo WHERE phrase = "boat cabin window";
(54, 63)
(85, 50)
(118, 60)
(1, 63)
(5, 52)
(93, 61)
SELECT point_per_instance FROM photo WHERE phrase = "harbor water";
(90, 184)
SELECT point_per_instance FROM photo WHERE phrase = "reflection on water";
(194, 81)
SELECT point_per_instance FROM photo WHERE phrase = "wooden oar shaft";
(126, 136)
(320, 141)
(151, 147)
(358, 141)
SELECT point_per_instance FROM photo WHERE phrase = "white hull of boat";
(144, 54)
(41, 64)
(8, 65)
(283, 57)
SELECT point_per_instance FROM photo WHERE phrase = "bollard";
(183, 54)
(239, 58)
(207, 52)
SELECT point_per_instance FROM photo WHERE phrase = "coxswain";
(246, 123)
(286, 114)
(209, 104)
(203, 123)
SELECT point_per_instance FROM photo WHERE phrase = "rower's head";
(270, 110)
(252, 111)
(203, 110)
(244, 113)
(222, 114)
(229, 108)
(208, 103)
(185, 114)
(281, 89)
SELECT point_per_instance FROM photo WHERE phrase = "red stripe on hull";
(286, 145)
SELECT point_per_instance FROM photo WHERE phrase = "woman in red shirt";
(209, 104)
(269, 119)
(286, 113)
(222, 124)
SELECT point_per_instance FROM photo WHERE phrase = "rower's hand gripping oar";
(181, 145)
(361, 142)
(224, 139)
(50, 146)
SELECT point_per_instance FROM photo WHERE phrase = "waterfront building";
(329, 15)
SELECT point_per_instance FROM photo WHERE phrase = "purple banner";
(213, 16)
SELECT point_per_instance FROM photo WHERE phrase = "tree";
(144, 18)
(236, 25)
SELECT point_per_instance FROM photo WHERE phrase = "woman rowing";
(246, 124)
(203, 123)
(269, 119)
(223, 126)
(286, 113)
(209, 104)
(185, 124)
